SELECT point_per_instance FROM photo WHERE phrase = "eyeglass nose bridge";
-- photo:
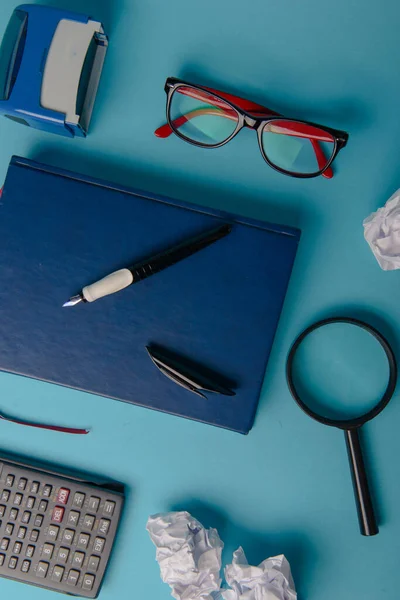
(250, 122)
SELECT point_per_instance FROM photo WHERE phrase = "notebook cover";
(60, 231)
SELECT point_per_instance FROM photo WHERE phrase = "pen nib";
(73, 301)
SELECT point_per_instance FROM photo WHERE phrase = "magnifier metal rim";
(346, 424)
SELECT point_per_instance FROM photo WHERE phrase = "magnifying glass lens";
(340, 371)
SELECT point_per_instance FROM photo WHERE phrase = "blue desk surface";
(285, 487)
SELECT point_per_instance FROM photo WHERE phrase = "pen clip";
(188, 375)
(180, 381)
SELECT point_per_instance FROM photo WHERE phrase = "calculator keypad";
(55, 532)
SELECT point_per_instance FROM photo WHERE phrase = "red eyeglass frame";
(255, 116)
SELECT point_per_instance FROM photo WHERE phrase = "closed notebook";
(60, 231)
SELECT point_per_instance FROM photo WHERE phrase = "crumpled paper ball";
(188, 554)
(382, 232)
(190, 562)
(271, 580)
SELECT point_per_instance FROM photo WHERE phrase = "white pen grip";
(109, 285)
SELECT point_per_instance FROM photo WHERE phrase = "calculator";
(56, 531)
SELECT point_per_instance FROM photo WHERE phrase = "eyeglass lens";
(297, 147)
(201, 117)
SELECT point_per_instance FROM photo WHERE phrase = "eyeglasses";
(209, 118)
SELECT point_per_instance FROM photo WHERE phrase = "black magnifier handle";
(365, 509)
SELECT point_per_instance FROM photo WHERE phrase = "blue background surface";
(286, 486)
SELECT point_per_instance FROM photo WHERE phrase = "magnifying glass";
(342, 373)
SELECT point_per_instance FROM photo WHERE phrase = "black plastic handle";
(365, 509)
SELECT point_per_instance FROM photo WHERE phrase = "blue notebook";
(60, 231)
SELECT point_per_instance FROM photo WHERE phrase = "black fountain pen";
(125, 277)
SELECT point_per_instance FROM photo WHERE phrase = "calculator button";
(9, 529)
(104, 526)
(22, 483)
(5, 496)
(26, 565)
(2, 557)
(42, 569)
(13, 562)
(5, 542)
(68, 536)
(88, 521)
(39, 520)
(43, 506)
(98, 545)
(94, 562)
(78, 559)
(35, 485)
(79, 499)
(53, 532)
(14, 514)
(47, 491)
(18, 499)
(109, 508)
(83, 540)
(22, 533)
(73, 577)
(63, 554)
(30, 551)
(10, 480)
(94, 503)
(73, 518)
(30, 503)
(48, 550)
(26, 517)
(62, 496)
(2, 510)
(58, 514)
(34, 535)
(17, 548)
(58, 573)
(88, 582)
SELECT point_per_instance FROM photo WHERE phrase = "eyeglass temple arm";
(165, 130)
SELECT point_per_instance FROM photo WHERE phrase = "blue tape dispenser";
(50, 67)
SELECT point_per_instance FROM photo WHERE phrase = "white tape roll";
(109, 285)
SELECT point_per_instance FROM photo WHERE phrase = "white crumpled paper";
(190, 562)
(382, 232)
(271, 580)
(188, 554)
